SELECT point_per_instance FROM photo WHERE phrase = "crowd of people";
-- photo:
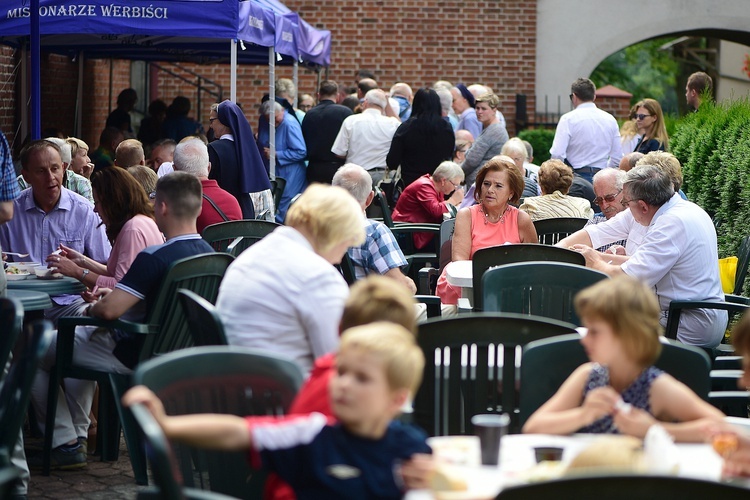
(116, 220)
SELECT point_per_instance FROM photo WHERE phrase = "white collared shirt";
(587, 137)
(365, 139)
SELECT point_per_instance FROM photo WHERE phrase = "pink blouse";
(137, 233)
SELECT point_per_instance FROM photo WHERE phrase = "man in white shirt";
(365, 138)
(587, 138)
(677, 255)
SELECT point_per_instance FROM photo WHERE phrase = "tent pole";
(317, 83)
(24, 126)
(79, 97)
(272, 114)
(233, 72)
(36, 73)
(295, 78)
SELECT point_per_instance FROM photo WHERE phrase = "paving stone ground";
(98, 481)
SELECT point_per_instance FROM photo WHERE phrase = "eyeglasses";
(609, 198)
(211, 120)
(625, 202)
(571, 96)
(641, 117)
(455, 186)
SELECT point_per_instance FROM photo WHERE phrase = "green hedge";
(541, 141)
(713, 146)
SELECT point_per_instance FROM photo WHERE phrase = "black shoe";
(61, 460)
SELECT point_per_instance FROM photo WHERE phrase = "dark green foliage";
(541, 141)
(713, 146)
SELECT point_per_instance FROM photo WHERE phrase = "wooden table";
(55, 286)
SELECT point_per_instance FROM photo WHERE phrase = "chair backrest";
(16, 387)
(624, 487)
(486, 258)
(743, 261)
(539, 288)
(204, 321)
(11, 321)
(201, 274)
(547, 363)
(550, 231)
(404, 234)
(166, 475)
(221, 235)
(221, 379)
(347, 269)
(467, 357)
(277, 190)
(382, 203)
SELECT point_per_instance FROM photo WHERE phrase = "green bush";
(541, 141)
(713, 146)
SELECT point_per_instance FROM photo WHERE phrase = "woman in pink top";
(493, 221)
(124, 208)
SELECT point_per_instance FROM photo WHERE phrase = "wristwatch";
(85, 272)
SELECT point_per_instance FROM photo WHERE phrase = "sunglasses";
(609, 198)
(641, 117)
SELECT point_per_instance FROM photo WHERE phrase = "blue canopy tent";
(161, 30)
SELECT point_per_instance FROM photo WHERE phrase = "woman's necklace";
(501, 219)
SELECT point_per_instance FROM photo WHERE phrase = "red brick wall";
(7, 93)
(416, 41)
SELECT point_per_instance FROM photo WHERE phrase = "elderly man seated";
(677, 255)
(47, 215)
(380, 252)
(71, 180)
(608, 190)
(191, 156)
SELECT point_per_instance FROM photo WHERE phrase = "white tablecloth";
(517, 458)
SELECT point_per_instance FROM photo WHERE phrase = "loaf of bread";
(446, 478)
(621, 453)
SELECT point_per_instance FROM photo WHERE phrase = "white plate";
(16, 277)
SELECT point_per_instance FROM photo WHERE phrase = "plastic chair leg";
(49, 425)
(119, 385)
(108, 435)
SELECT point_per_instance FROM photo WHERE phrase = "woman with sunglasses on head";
(650, 122)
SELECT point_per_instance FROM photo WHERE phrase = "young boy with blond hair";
(378, 366)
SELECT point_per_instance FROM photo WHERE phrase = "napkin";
(660, 454)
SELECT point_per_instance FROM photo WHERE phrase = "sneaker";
(84, 444)
(61, 460)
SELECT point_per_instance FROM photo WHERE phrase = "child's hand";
(416, 471)
(143, 395)
(633, 422)
(599, 403)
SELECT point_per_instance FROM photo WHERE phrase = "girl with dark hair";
(128, 216)
(422, 142)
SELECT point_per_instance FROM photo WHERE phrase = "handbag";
(728, 273)
(392, 186)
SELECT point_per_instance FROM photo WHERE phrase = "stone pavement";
(98, 481)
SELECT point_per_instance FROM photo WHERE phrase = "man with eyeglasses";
(608, 190)
(586, 138)
(677, 255)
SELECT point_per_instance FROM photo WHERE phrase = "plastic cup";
(490, 429)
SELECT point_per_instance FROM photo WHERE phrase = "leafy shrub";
(713, 146)
(540, 140)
